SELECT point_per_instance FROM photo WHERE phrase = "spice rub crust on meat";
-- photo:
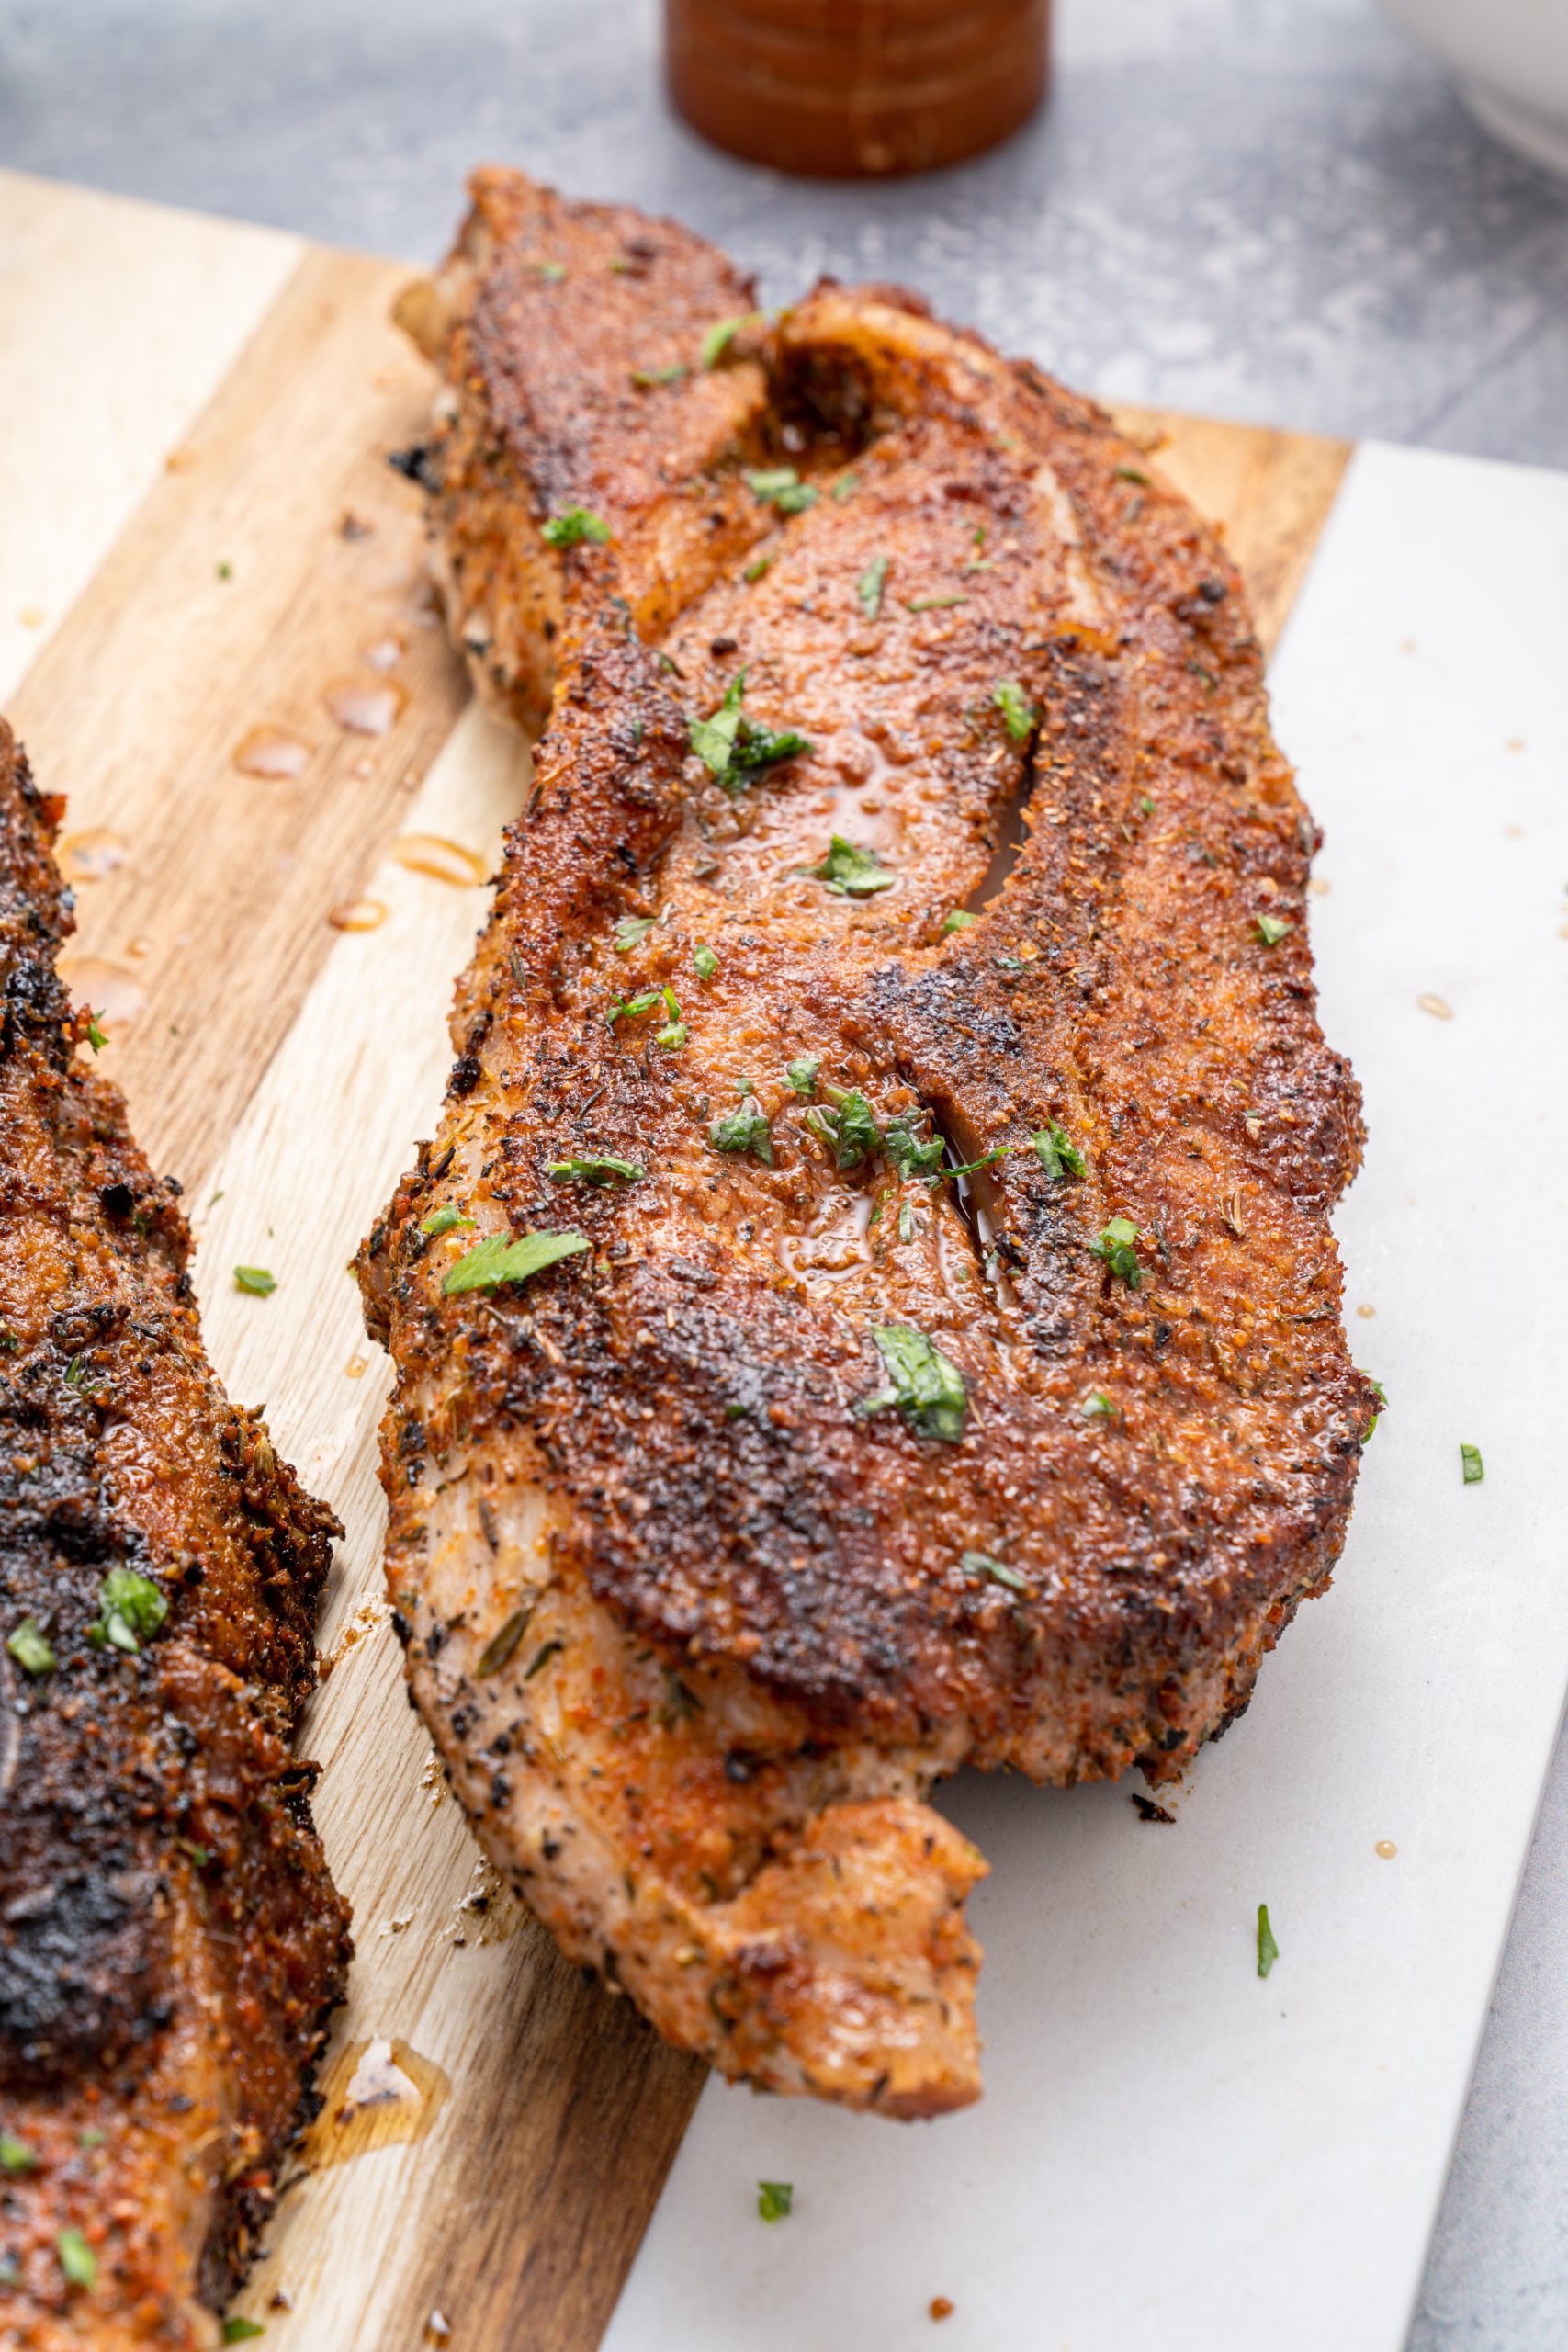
(897, 1007)
(169, 1942)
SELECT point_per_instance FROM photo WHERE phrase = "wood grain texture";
(285, 1068)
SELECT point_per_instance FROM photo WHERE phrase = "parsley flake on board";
(28, 1646)
(256, 1280)
(237, 2329)
(774, 2198)
(631, 931)
(448, 1218)
(722, 334)
(781, 488)
(1056, 1155)
(980, 1564)
(498, 1259)
(1268, 1949)
(1471, 1464)
(599, 1169)
(733, 748)
(850, 871)
(570, 528)
(132, 1609)
(77, 2259)
(1115, 1245)
(802, 1074)
(746, 1129)
(1017, 710)
(927, 1386)
(1272, 929)
(870, 584)
(704, 963)
(958, 919)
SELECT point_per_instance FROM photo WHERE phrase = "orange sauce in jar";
(856, 89)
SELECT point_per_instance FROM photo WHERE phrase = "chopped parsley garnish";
(77, 2259)
(1058, 1158)
(802, 1074)
(911, 1154)
(704, 963)
(1115, 1245)
(1470, 1464)
(781, 488)
(93, 2137)
(957, 918)
(746, 1129)
(906, 1222)
(98, 1037)
(1145, 805)
(448, 1218)
(1098, 1407)
(774, 2198)
(645, 378)
(755, 569)
(570, 528)
(722, 334)
(933, 604)
(973, 1167)
(15, 2156)
(237, 2329)
(631, 931)
(81, 1375)
(256, 1280)
(496, 1260)
(28, 1646)
(601, 1170)
(845, 486)
(733, 747)
(852, 873)
(926, 1386)
(1130, 473)
(632, 1008)
(1016, 708)
(500, 1644)
(1268, 1949)
(672, 1035)
(1382, 1399)
(1272, 929)
(552, 270)
(849, 1129)
(980, 1564)
(870, 584)
(132, 1607)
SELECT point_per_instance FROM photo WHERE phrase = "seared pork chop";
(169, 1942)
(937, 1359)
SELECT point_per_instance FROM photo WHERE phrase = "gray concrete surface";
(1266, 209)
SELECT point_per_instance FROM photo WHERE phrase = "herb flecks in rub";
(926, 1386)
(1272, 929)
(1018, 713)
(500, 1644)
(1115, 1244)
(574, 527)
(781, 488)
(870, 585)
(722, 334)
(957, 918)
(448, 1218)
(734, 748)
(981, 1564)
(850, 871)
(497, 1260)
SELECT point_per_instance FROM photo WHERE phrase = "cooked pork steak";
(170, 1942)
(801, 1467)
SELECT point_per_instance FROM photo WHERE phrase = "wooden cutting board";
(208, 568)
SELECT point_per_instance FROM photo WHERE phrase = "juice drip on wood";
(385, 654)
(116, 999)
(357, 914)
(378, 2093)
(365, 707)
(268, 751)
(89, 856)
(444, 861)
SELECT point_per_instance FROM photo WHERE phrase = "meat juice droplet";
(443, 860)
(268, 751)
(89, 856)
(378, 2093)
(357, 914)
(116, 998)
(366, 705)
(1385, 1848)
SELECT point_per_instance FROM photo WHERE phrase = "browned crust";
(170, 1941)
